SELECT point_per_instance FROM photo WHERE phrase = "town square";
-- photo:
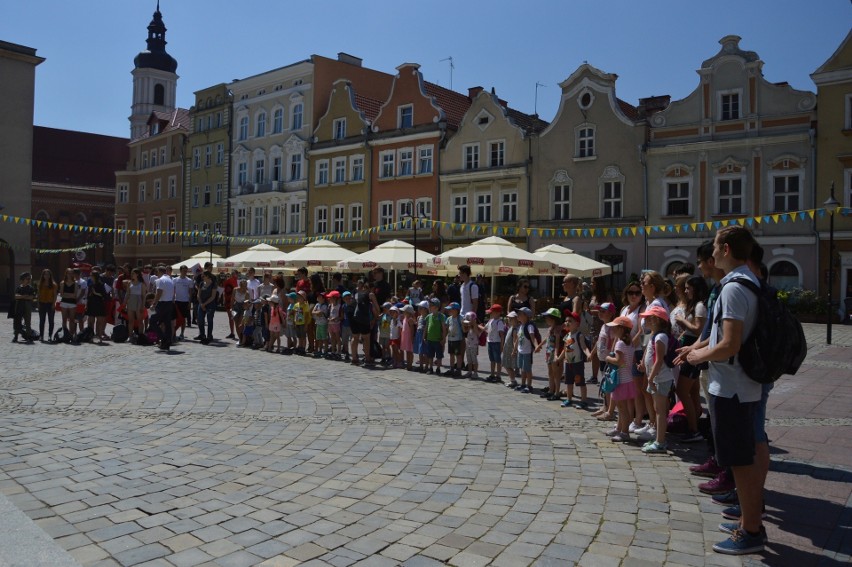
(342, 310)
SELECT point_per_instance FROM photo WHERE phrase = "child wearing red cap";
(660, 376)
(622, 358)
(495, 329)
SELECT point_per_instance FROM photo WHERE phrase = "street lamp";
(831, 205)
(210, 237)
(415, 220)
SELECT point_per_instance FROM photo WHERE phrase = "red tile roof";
(454, 104)
(77, 158)
(370, 107)
(530, 123)
(628, 109)
(178, 118)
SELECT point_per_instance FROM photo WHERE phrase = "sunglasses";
(634, 292)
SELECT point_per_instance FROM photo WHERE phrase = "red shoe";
(719, 485)
(709, 468)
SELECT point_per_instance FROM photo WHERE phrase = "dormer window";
(339, 128)
(405, 116)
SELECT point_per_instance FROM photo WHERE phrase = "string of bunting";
(472, 228)
(49, 250)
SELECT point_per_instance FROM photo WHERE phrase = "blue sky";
(654, 46)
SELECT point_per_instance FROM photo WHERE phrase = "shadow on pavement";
(822, 473)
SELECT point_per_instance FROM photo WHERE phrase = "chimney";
(473, 91)
(653, 104)
(349, 59)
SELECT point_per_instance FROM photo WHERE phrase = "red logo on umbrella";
(476, 261)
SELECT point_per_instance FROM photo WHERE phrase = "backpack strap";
(747, 283)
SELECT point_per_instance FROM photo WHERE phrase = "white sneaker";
(647, 433)
(633, 427)
(641, 430)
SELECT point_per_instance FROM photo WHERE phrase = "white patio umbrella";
(318, 256)
(566, 261)
(392, 255)
(199, 258)
(494, 256)
(258, 256)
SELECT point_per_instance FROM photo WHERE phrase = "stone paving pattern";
(213, 455)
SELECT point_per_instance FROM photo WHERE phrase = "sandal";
(606, 416)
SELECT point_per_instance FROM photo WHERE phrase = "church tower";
(154, 78)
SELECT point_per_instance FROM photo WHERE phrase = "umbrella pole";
(395, 282)
(493, 282)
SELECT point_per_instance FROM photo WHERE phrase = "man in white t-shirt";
(469, 291)
(253, 285)
(183, 295)
(164, 302)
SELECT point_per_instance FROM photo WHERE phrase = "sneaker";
(722, 483)
(693, 437)
(592, 380)
(612, 432)
(512, 385)
(621, 437)
(655, 447)
(524, 390)
(634, 428)
(437, 372)
(566, 403)
(652, 432)
(582, 405)
(708, 469)
(639, 430)
(726, 499)
(735, 513)
(740, 542)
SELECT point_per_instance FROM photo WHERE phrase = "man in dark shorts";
(164, 302)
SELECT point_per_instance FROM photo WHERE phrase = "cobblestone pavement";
(217, 456)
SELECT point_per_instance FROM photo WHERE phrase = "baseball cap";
(655, 311)
(333, 293)
(454, 306)
(572, 315)
(512, 315)
(394, 308)
(347, 294)
(608, 307)
(408, 309)
(435, 301)
(386, 304)
(292, 295)
(496, 307)
(470, 316)
(424, 304)
(526, 311)
(621, 322)
(553, 312)
(302, 292)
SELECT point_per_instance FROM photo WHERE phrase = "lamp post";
(211, 236)
(415, 220)
(831, 204)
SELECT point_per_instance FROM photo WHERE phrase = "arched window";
(159, 94)
(296, 119)
(260, 127)
(784, 275)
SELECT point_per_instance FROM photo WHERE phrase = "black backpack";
(671, 351)
(119, 333)
(777, 345)
(86, 335)
(62, 336)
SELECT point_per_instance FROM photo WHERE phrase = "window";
(784, 275)
(260, 125)
(405, 116)
(296, 121)
(321, 220)
(322, 172)
(196, 158)
(155, 238)
(295, 167)
(218, 193)
(196, 196)
(677, 198)
(561, 202)
(338, 218)
(785, 194)
(163, 155)
(275, 226)
(356, 217)
(141, 195)
(339, 128)
(200, 127)
(257, 225)
(424, 163)
(471, 156)
(509, 206)
(218, 120)
(140, 226)
(159, 94)
(123, 193)
(460, 208)
(241, 222)
(295, 217)
(120, 233)
(423, 209)
(497, 152)
(172, 229)
(483, 207)
(357, 165)
(278, 121)
(404, 208)
(158, 190)
(208, 156)
(220, 154)
(195, 233)
(172, 187)
(259, 170)
(153, 158)
(243, 128)
(385, 213)
(611, 200)
(205, 230)
(730, 106)
(387, 158)
(207, 195)
(242, 173)
(276, 168)
(144, 160)
(730, 196)
(406, 162)
(586, 142)
(340, 170)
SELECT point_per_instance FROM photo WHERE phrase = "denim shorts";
(494, 352)
(575, 373)
(525, 362)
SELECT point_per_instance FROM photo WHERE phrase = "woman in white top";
(691, 321)
(634, 304)
(654, 290)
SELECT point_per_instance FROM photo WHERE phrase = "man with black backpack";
(734, 396)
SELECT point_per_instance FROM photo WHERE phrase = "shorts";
(525, 362)
(290, 332)
(418, 342)
(663, 388)
(334, 328)
(454, 348)
(576, 372)
(510, 359)
(732, 423)
(494, 352)
(300, 331)
(345, 333)
(394, 343)
(623, 392)
(248, 331)
(435, 349)
(360, 328)
(322, 332)
(384, 342)
(760, 416)
(183, 307)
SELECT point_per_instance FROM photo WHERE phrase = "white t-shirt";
(525, 345)
(469, 296)
(84, 289)
(253, 284)
(183, 287)
(700, 313)
(395, 329)
(166, 284)
(494, 327)
(665, 374)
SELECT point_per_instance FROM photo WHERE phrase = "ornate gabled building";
(737, 146)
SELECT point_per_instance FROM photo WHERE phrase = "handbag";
(610, 381)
